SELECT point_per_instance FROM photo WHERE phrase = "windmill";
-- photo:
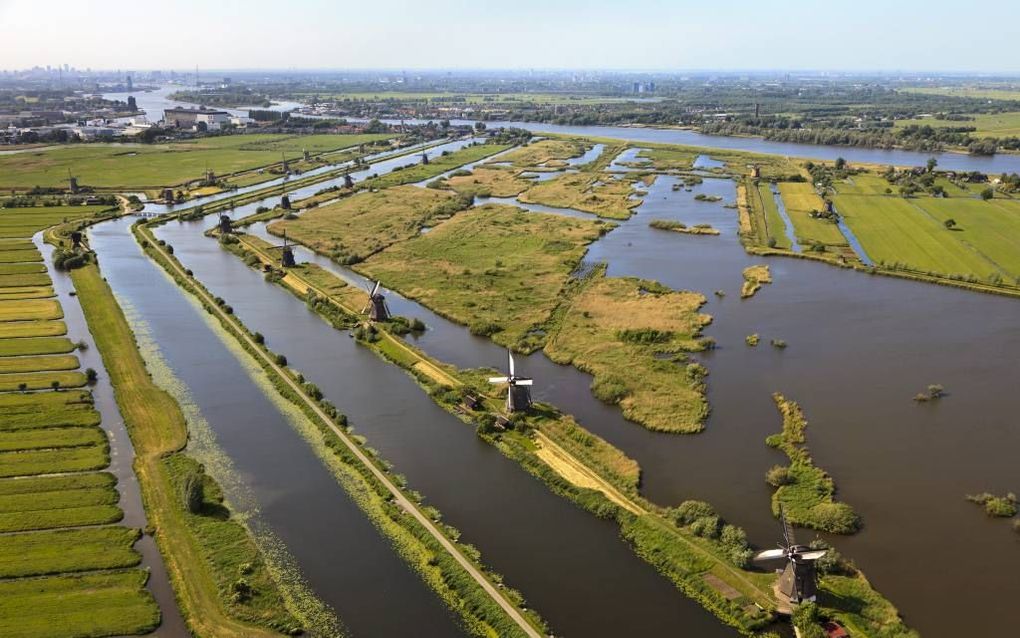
(287, 254)
(285, 165)
(72, 182)
(377, 309)
(518, 394)
(798, 580)
(226, 225)
(348, 181)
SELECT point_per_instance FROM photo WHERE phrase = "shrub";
(778, 475)
(997, 506)
(609, 389)
(752, 340)
(280, 360)
(644, 336)
(690, 511)
(91, 376)
(259, 339)
(192, 492)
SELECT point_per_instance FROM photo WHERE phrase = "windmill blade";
(375, 290)
(510, 355)
(770, 554)
(787, 528)
(813, 555)
(498, 380)
(386, 307)
(365, 310)
(523, 381)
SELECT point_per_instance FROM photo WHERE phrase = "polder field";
(140, 166)
(66, 567)
(986, 124)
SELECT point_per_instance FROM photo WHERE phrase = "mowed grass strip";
(101, 604)
(33, 462)
(355, 227)
(48, 502)
(25, 279)
(70, 550)
(42, 414)
(16, 244)
(38, 364)
(26, 345)
(26, 292)
(801, 199)
(892, 230)
(30, 309)
(25, 222)
(773, 220)
(617, 329)
(21, 268)
(31, 329)
(50, 438)
(41, 380)
(498, 269)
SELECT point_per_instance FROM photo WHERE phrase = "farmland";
(987, 124)
(801, 199)
(495, 268)
(130, 166)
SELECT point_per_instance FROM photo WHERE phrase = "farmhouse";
(190, 118)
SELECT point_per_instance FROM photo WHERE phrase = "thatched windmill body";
(377, 309)
(518, 394)
(798, 581)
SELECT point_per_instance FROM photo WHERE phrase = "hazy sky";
(564, 34)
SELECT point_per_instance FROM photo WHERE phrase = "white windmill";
(377, 309)
(518, 394)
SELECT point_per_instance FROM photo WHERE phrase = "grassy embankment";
(494, 268)
(65, 569)
(548, 154)
(150, 167)
(754, 277)
(805, 492)
(680, 227)
(633, 336)
(221, 581)
(697, 553)
(452, 569)
(354, 228)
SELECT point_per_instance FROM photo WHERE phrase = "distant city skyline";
(652, 35)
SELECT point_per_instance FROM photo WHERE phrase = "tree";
(932, 163)
(950, 223)
(23, 387)
(91, 376)
(988, 193)
(479, 126)
(840, 163)
(55, 385)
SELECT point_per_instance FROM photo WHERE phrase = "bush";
(778, 475)
(690, 511)
(91, 376)
(192, 492)
(997, 506)
(609, 389)
(259, 339)
(644, 336)
(280, 360)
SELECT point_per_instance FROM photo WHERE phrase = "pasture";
(587, 192)
(774, 224)
(986, 124)
(495, 268)
(140, 166)
(415, 171)
(801, 199)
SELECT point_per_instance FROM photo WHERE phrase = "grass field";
(152, 166)
(774, 223)
(37, 364)
(983, 93)
(586, 192)
(801, 199)
(991, 228)
(7, 257)
(64, 551)
(25, 222)
(491, 181)
(28, 344)
(897, 232)
(100, 604)
(621, 331)
(356, 227)
(496, 268)
(538, 153)
(987, 124)
(664, 159)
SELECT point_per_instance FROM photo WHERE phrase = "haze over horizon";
(454, 34)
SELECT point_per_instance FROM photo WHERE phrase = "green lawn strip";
(26, 329)
(25, 279)
(41, 416)
(70, 482)
(41, 380)
(90, 605)
(34, 345)
(17, 244)
(21, 261)
(38, 363)
(70, 550)
(896, 234)
(26, 292)
(773, 220)
(21, 268)
(25, 222)
(30, 309)
(82, 515)
(32, 462)
(805, 491)
(50, 438)
(416, 171)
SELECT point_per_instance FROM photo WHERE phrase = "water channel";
(860, 347)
